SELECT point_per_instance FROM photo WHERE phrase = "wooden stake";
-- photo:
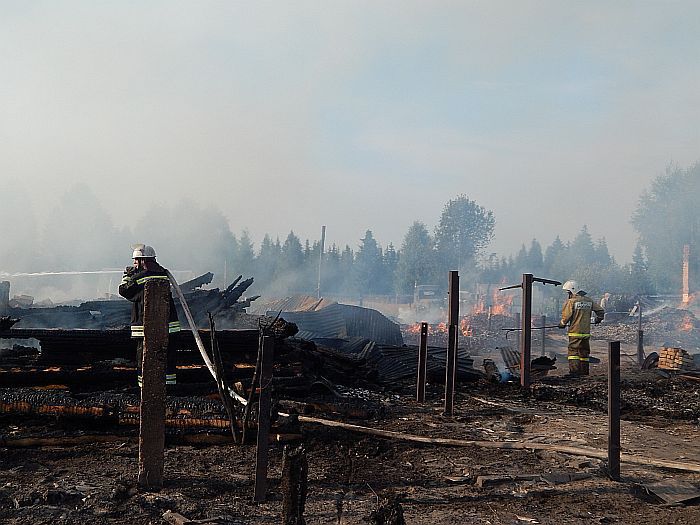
(452, 342)
(422, 363)
(614, 410)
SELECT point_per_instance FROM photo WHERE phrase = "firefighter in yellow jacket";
(576, 314)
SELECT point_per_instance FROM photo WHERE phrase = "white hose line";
(198, 340)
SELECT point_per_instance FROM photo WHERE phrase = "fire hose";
(198, 339)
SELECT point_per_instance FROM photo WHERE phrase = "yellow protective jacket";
(577, 314)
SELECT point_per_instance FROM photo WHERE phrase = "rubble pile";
(358, 360)
(669, 327)
(225, 305)
(648, 394)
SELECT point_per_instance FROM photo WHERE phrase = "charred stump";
(295, 471)
(388, 512)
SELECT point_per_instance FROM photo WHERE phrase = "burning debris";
(669, 327)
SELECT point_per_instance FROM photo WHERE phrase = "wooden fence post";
(156, 309)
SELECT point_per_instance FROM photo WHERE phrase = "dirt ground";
(350, 472)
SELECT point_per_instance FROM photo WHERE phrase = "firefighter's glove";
(129, 270)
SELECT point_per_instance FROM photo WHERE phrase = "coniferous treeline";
(78, 234)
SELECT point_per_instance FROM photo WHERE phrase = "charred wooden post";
(526, 339)
(261, 456)
(544, 333)
(4, 298)
(614, 410)
(452, 320)
(295, 470)
(640, 337)
(155, 349)
(422, 363)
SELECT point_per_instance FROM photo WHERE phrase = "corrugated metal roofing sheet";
(365, 322)
(327, 322)
(320, 318)
(295, 303)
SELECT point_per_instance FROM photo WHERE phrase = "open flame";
(499, 304)
(465, 327)
(441, 328)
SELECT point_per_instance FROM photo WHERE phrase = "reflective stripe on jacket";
(132, 287)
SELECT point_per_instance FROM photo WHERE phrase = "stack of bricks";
(675, 359)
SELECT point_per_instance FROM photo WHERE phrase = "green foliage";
(666, 219)
(416, 264)
(368, 270)
(464, 230)
(244, 260)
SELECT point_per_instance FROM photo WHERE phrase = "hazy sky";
(354, 114)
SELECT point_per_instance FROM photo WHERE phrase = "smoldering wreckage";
(345, 440)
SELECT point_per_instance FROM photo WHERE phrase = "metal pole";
(686, 274)
(526, 339)
(544, 323)
(320, 259)
(422, 363)
(640, 338)
(155, 350)
(451, 362)
(263, 439)
(519, 326)
(614, 410)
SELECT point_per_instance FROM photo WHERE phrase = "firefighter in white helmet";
(576, 314)
(144, 269)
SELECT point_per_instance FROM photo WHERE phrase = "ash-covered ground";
(350, 472)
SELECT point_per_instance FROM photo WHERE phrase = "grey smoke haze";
(351, 114)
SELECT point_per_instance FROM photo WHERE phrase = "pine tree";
(464, 230)
(416, 263)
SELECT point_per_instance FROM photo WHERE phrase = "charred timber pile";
(123, 409)
(115, 314)
(81, 346)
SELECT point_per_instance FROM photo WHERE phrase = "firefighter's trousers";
(579, 354)
(170, 370)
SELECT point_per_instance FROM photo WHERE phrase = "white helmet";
(143, 251)
(570, 286)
